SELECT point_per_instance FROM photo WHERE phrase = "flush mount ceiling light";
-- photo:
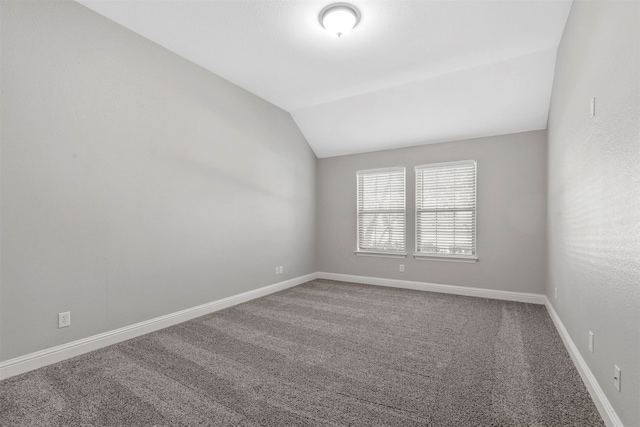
(339, 18)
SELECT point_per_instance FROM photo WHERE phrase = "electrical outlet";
(277, 270)
(592, 107)
(402, 268)
(617, 377)
(281, 270)
(64, 319)
(556, 293)
(591, 341)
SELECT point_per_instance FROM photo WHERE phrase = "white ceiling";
(412, 71)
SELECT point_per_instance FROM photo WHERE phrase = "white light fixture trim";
(339, 18)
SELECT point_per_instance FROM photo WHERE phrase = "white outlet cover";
(64, 319)
(591, 341)
(617, 377)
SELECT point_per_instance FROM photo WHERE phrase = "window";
(446, 211)
(381, 212)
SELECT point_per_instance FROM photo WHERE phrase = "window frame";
(381, 252)
(447, 257)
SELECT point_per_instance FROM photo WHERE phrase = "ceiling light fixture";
(339, 18)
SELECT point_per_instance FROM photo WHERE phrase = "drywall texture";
(511, 206)
(135, 183)
(594, 193)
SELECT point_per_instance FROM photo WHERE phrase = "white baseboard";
(59, 353)
(62, 352)
(433, 287)
(605, 409)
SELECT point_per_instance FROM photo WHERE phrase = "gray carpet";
(321, 354)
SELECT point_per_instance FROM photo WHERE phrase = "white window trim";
(446, 257)
(450, 258)
(382, 254)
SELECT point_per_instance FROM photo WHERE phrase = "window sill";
(449, 258)
(381, 254)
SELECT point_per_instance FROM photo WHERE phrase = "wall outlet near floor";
(279, 269)
(556, 293)
(591, 341)
(617, 377)
(402, 268)
(64, 319)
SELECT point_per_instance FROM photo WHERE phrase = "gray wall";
(594, 193)
(134, 183)
(511, 221)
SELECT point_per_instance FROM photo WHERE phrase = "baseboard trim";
(433, 287)
(62, 352)
(605, 409)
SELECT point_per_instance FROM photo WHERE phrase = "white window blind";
(446, 210)
(381, 211)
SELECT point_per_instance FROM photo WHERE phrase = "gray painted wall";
(594, 193)
(134, 183)
(511, 219)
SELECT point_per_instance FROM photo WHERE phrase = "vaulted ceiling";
(412, 71)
